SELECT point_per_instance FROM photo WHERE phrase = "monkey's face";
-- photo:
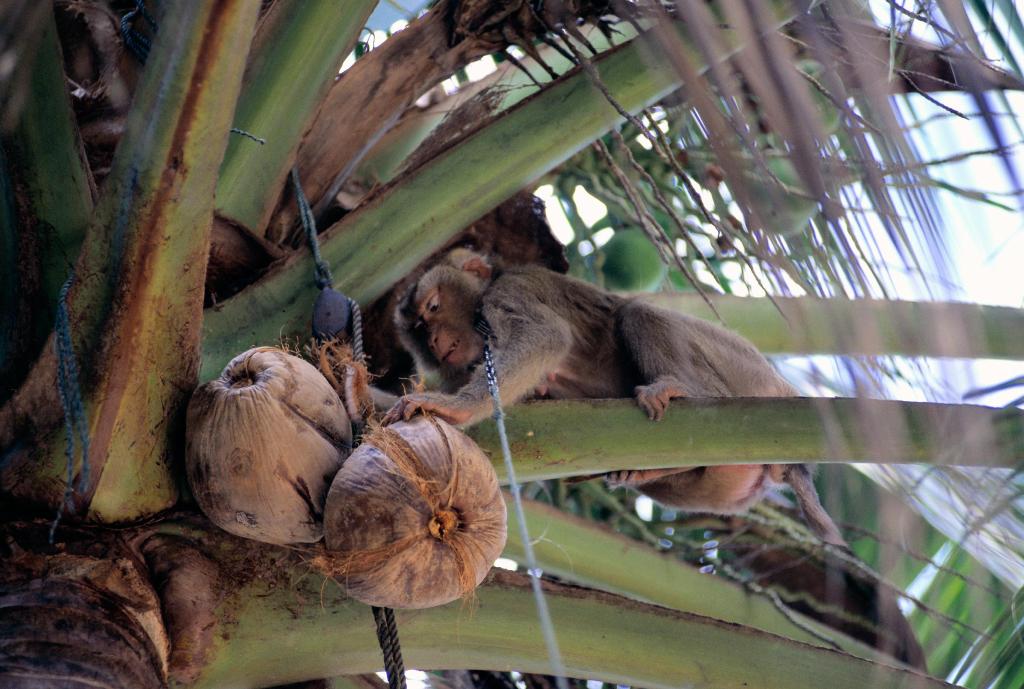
(439, 316)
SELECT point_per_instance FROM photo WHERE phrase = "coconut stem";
(443, 524)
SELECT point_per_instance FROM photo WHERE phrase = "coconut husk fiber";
(415, 517)
(347, 375)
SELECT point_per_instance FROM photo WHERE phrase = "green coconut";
(828, 113)
(631, 262)
(789, 212)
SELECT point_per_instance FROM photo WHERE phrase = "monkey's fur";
(563, 338)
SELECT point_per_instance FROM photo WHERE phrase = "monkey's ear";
(478, 266)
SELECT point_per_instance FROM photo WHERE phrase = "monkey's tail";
(798, 476)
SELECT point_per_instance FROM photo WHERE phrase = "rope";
(357, 331)
(546, 625)
(322, 273)
(70, 402)
(248, 135)
(387, 637)
(356, 325)
(387, 628)
(137, 43)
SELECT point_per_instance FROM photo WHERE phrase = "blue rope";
(139, 44)
(248, 135)
(71, 402)
(546, 625)
(322, 274)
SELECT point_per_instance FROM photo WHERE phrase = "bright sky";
(986, 246)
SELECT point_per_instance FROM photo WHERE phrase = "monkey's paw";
(636, 477)
(654, 398)
(442, 406)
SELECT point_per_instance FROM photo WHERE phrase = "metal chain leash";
(546, 625)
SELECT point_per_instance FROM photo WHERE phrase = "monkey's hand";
(654, 398)
(451, 408)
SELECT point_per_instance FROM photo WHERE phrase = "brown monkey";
(565, 338)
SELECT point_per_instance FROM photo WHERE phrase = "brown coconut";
(415, 518)
(264, 441)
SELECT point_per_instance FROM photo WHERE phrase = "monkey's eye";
(434, 303)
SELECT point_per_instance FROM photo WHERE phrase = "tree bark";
(82, 615)
(366, 102)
